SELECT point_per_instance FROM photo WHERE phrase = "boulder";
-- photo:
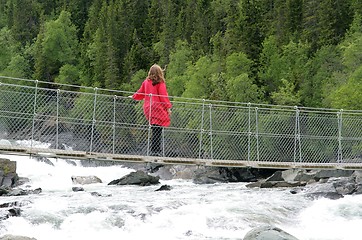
(164, 188)
(77, 189)
(210, 175)
(13, 237)
(268, 233)
(136, 178)
(8, 176)
(333, 173)
(85, 180)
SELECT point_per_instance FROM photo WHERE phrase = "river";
(188, 211)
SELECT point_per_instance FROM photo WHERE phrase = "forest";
(287, 52)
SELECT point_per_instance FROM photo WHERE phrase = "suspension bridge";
(74, 122)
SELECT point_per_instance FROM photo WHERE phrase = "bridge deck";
(81, 155)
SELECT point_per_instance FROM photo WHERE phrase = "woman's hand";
(169, 111)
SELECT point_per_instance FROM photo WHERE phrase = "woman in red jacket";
(156, 105)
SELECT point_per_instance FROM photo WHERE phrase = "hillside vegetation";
(290, 52)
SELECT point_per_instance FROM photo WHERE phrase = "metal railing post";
(114, 124)
(249, 130)
(149, 126)
(93, 119)
(257, 134)
(201, 127)
(210, 133)
(34, 114)
(297, 135)
(57, 122)
(340, 152)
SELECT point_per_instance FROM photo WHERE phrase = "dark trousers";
(156, 140)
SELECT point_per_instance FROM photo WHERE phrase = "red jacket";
(156, 97)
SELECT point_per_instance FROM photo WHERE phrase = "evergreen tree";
(239, 86)
(199, 78)
(317, 83)
(23, 19)
(325, 22)
(180, 60)
(55, 46)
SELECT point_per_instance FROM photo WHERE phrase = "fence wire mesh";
(74, 118)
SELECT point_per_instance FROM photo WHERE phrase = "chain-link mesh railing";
(74, 118)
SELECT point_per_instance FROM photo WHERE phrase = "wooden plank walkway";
(80, 155)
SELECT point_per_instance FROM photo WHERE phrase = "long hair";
(156, 74)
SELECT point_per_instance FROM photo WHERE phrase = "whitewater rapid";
(188, 211)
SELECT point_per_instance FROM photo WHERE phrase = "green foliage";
(56, 45)
(18, 67)
(272, 51)
(7, 45)
(199, 78)
(349, 95)
(68, 74)
(180, 59)
(286, 95)
(319, 81)
(135, 82)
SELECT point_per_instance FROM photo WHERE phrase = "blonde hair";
(156, 74)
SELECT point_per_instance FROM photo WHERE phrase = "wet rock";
(276, 184)
(85, 180)
(70, 162)
(18, 191)
(96, 194)
(14, 212)
(344, 186)
(210, 175)
(136, 178)
(43, 160)
(164, 188)
(8, 176)
(77, 189)
(13, 237)
(329, 195)
(333, 173)
(268, 233)
(21, 181)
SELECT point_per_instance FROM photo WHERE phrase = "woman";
(156, 106)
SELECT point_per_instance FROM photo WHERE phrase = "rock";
(164, 188)
(136, 178)
(333, 173)
(268, 233)
(7, 166)
(14, 212)
(96, 194)
(8, 176)
(275, 184)
(70, 162)
(344, 186)
(210, 175)
(329, 195)
(277, 176)
(13, 237)
(43, 160)
(21, 181)
(9, 204)
(77, 189)
(18, 191)
(85, 180)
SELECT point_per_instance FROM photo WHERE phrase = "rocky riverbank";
(313, 184)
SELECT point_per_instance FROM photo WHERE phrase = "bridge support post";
(93, 119)
(297, 145)
(34, 113)
(340, 152)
